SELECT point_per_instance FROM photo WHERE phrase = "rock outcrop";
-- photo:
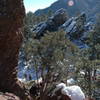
(8, 96)
(76, 28)
(52, 24)
(11, 20)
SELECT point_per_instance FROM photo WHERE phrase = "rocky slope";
(91, 7)
(76, 28)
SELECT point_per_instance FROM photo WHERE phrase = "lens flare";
(70, 3)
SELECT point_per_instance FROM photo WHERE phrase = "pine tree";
(50, 56)
(89, 61)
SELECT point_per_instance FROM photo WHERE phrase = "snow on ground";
(74, 92)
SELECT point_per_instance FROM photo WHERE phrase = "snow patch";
(74, 92)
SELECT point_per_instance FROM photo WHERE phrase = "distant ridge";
(90, 7)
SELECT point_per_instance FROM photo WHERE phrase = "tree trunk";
(11, 20)
(89, 83)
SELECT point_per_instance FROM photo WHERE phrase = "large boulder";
(52, 24)
(8, 96)
(59, 17)
(11, 20)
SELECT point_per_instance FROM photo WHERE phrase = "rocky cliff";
(11, 21)
(76, 28)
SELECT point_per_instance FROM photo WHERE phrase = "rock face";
(8, 96)
(76, 28)
(11, 20)
(52, 23)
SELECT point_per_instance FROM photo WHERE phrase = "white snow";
(74, 92)
(38, 80)
(22, 80)
(58, 87)
(82, 72)
(70, 81)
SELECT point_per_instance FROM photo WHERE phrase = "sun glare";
(70, 3)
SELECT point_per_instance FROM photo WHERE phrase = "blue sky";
(33, 5)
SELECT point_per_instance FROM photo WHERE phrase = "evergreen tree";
(50, 56)
(89, 61)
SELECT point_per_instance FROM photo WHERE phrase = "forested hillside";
(59, 47)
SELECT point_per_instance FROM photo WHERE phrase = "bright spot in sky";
(70, 3)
